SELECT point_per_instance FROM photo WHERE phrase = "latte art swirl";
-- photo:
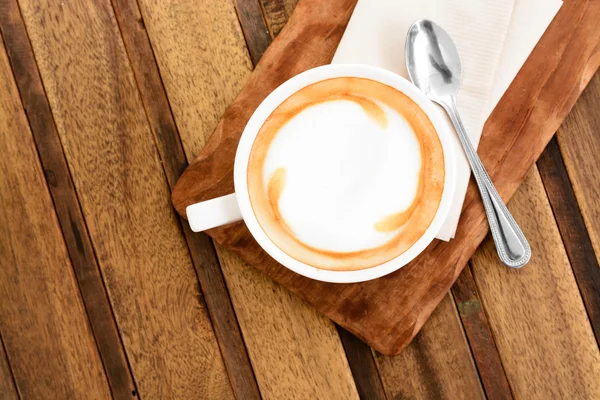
(346, 174)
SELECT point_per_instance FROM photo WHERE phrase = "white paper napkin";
(494, 38)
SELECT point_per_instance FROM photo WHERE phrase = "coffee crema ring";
(406, 225)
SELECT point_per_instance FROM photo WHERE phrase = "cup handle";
(214, 212)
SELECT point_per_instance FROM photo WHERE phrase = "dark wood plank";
(388, 312)
(295, 352)
(571, 225)
(173, 159)
(362, 364)
(65, 199)
(8, 391)
(437, 364)
(276, 13)
(536, 313)
(124, 197)
(254, 28)
(44, 325)
(481, 341)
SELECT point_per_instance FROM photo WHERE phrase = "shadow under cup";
(415, 175)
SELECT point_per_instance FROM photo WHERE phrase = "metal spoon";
(434, 67)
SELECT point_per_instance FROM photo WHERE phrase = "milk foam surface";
(344, 172)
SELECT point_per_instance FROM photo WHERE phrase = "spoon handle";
(512, 246)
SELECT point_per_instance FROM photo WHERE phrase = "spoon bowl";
(432, 60)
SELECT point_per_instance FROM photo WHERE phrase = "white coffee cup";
(236, 206)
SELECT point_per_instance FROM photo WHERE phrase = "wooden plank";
(276, 13)
(65, 199)
(364, 371)
(572, 227)
(480, 337)
(125, 199)
(254, 28)
(536, 313)
(42, 318)
(280, 331)
(433, 366)
(8, 391)
(173, 158)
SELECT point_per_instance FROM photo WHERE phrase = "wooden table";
(105, 292)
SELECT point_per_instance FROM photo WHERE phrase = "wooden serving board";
(388, 312)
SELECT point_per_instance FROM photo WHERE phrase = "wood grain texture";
(277, 13)
(481, 341)
(8, 391)
(572, 228)
(580, 147)
(65, 199)
(536, 313)
(174, 161)
(433, 366)
(254, 27)
(266, 312)
(296, 353)
(44, 327)
(527, 116)
(364, 371)
(124, 196)
(151, 88)
(203, 62)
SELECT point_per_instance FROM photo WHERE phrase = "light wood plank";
(125, 199)
(206, 264)
(201, 80)
(536, 313)
(42, 319)
(8, 391)
(436, 364)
